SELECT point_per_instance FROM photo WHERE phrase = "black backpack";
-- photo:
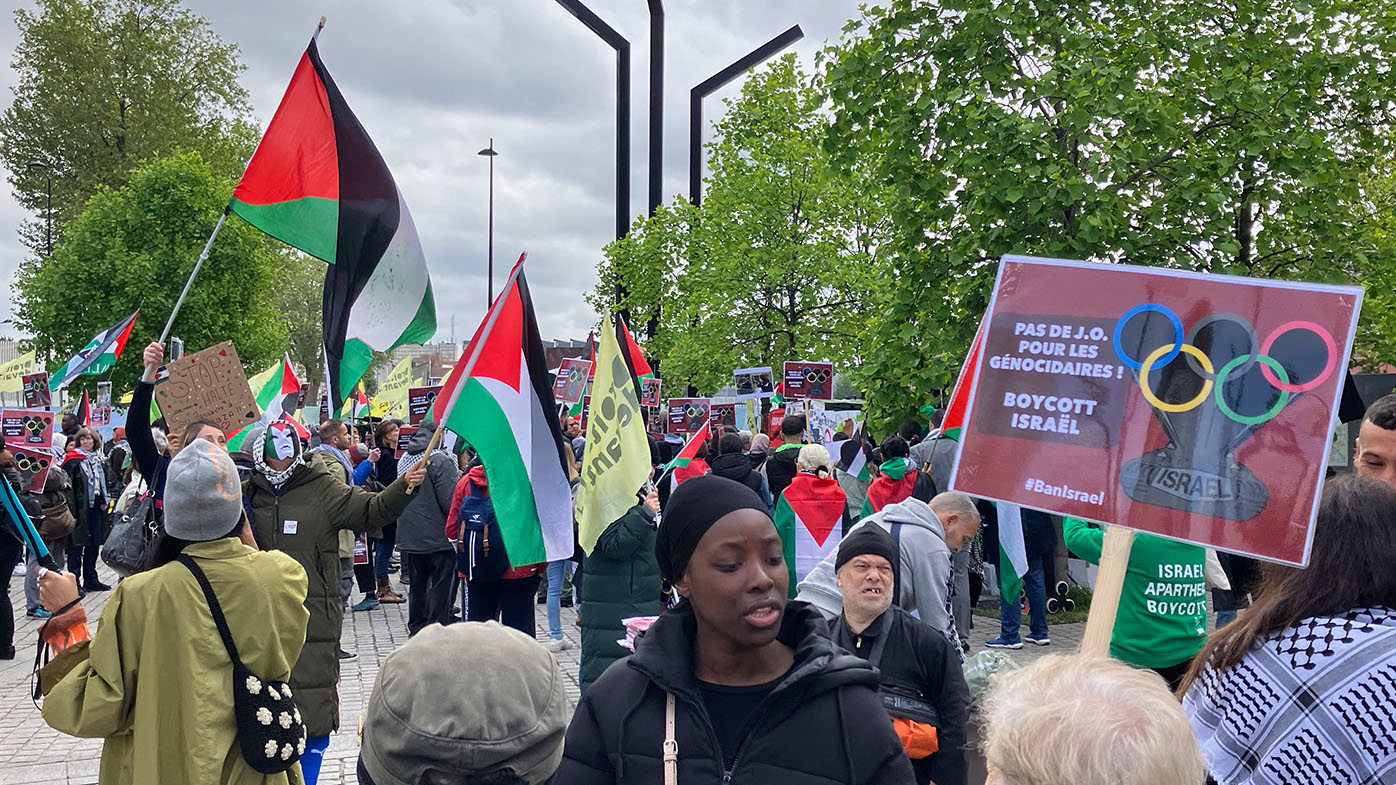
(480, 554)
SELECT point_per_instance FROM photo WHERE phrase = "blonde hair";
(814, 458)
(1083, 720)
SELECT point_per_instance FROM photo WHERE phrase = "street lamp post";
(711, 85)
(48, 212)
(489, 152)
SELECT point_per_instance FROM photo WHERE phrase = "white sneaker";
(558, 644)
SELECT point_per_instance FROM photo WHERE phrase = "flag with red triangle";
(634, 354)
(954, 419)
(83, 411)
(689, 462)
(809, 518)
(500, 400)
(98, 356)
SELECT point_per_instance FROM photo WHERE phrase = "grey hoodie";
(422, 526)
(926, 573)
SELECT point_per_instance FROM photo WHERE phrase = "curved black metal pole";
(711, 85)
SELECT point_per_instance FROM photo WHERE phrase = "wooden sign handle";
(1105, 599)
(431, 445)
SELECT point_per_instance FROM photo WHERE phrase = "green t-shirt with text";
(1162, 619)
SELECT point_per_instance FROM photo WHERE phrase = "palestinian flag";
(688, 464)
(498, 398)
(278, 395)
(964, 387)
(1013, 554)
(316, 182)
(83, 411)
(809, 518)
(633, 353)
(98, 356)
(358, 405)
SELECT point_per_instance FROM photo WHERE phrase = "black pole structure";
(617, 42)
(711, 85)
(491, 153)
(656, 104)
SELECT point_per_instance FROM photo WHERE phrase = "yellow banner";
(391, 402)
(10, 373)
(617, 458)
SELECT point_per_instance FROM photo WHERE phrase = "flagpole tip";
(322, 23)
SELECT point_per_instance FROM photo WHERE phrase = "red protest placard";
(649, 391)
(419, 401)
(721, 414)
(586, 412)
(36, 392)
(29, 437)
(688, 415)
(571, 381)
(809, 380)
(1193, 406)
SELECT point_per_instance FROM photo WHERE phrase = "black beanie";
(867, 540)
(691, 510)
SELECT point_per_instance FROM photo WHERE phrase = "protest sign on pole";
(754, 382)
(419, 401)
(36, 391)
(585, 412)
(649, 391)
(29, 437)
(392, 393)
(571, 380)
(404, 437)
(208, 385)
(723, 414)
(809, 380)
(1192, 406)
(616, 462)
(688, 415)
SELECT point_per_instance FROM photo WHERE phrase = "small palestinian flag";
(83, 411)
(358, 405)
(964, 386)
(688, 463)
(810, 517)
(317, 182)
(498, 398)
(278, 395)
(98, 356)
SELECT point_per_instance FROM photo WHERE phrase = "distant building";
(9, 350)
(559, 350)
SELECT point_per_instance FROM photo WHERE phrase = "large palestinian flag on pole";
(317, 182)
(98, 356)
(499, 399)
(809, 518)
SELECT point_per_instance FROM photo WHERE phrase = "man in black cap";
(923, 686)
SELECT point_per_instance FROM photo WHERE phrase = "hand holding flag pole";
(478, 344)
(149, 375)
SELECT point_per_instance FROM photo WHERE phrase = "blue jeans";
(557, 570)
(383, 551)
(1010, 610)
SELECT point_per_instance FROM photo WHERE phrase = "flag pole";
(490, 319)
(149, 375)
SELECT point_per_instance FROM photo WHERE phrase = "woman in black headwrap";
(759, 694)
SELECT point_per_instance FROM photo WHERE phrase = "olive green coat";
(155, 680)
(304, 521)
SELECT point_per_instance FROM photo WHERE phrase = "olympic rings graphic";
(816, 375)
(1215, 380)
(1153, 358)
(694, 410)
(36, 424)
(27, 463)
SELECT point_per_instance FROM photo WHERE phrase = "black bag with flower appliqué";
(270, 731)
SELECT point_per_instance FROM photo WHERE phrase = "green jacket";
(620, 580)
(1162, 619)
(155, 680)
(304, 521)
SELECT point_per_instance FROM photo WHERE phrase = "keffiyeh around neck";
(259, 462)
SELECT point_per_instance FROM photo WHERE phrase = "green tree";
(1229, 138)
(104, 86)
(779, 263)
(134, 248)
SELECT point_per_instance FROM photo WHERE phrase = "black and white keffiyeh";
(1315, 703)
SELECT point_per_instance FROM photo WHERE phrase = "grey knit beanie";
(203, 497)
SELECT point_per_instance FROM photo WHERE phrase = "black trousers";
(9, 556)
(363, 573)
(82, 556)
(429, 597)
(509, 601)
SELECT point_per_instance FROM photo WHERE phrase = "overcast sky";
(433, 80)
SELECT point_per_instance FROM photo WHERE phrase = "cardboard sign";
(404, 435)
(419, 401)
(29, 437)
(754, 382)
(36, 392)
(720, 414)
(649, 392)
(571, 381)
(811, 380)
(688, 415)
(1197, 407)
(207, 385)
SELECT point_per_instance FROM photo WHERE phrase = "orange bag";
(919, 739)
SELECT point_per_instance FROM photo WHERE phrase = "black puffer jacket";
(737, 466)
(622, 580)
(781, 467)
(823, 724)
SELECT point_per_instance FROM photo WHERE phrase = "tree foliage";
(104, 86)
(134, 248)
(1231, 138)
(779, 262)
